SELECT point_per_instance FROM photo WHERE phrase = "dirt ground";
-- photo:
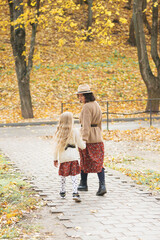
(135, 155)
(44, 224)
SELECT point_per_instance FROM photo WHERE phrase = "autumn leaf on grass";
(140, 134)
(17, 199)
(147, 177)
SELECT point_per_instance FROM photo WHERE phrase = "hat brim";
(81, 92)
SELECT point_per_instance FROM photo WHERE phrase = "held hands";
(55, 163)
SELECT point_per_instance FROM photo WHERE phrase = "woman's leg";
(101, 176)
(102, 188)
(83, 183)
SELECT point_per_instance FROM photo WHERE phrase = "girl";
(67, 140)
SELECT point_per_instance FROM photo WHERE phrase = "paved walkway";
(126, 212)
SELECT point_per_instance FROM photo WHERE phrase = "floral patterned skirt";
(92, 157)
(71, 168)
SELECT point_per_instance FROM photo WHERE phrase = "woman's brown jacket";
(90, 116)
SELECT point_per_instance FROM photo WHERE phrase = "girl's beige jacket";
(71, 154)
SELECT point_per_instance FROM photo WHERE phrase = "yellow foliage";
(61, 42)
(155, 4)
(123, 20)
(61, 39)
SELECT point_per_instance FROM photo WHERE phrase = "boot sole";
(97, 194)
(85, 190)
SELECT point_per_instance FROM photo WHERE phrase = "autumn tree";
(18, 42)
(151, 80)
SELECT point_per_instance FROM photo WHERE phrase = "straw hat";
(84, 88)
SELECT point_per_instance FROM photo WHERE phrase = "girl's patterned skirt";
(71, 168)
(92, 157)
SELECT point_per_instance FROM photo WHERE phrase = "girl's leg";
(74, 183)
(63, 184)
(76, 196)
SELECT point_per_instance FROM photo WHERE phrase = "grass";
(149, 178)
(16, 200)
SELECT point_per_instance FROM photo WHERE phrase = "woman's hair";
(89, 97)
(64, 130)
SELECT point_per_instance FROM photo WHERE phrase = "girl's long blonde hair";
(64, 130)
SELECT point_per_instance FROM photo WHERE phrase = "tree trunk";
(152, 83)
(24, 91)
(19, 50)
(90, 16)
(153, 104)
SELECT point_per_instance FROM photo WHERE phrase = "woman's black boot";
(83, 183)
(102, 189)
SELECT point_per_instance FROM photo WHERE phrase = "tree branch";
(10, 3)
(154, 37)
(33, 39)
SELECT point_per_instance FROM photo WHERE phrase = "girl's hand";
(56, 163)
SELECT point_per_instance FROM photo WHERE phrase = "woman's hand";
(56, 163)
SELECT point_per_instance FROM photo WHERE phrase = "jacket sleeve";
(55, 152)
(78, 139)
(86, 122)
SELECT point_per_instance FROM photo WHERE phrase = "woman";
(92, 157)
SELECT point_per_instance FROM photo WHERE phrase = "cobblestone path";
(126, 212)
